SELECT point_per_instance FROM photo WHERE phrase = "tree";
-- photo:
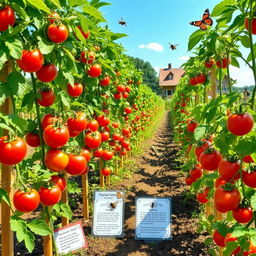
(149, 74)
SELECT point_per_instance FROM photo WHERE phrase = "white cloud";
(157, 69)
(243, 76)
(152, 46)
(184, 58)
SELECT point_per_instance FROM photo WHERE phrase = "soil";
(157, 175)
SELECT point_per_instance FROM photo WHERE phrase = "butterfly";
(205, 22)
(173, 46)
(113, 205)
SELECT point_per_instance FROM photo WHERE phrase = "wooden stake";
(108, 180)
(122, 162)
(116, 166)
(64, 199)
(85, 189)
(48, 249)
(102, 183)
(6, 178)
(213, 83)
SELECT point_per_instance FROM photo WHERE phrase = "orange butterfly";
(205, 22)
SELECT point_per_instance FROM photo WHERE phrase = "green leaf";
(221, 7)
(200, 132)
(19, 226)
(28, 100)
(56, 3)
(65, 99)
(78, 2)
(94, 12)
(17, 122)
(29, 240)
(246, 146)
(4, 195)
(245, 40)
(239, 231)
(253, 239)
(39, 227)
(253, 202)
(234, 62)
(66, 211)
(115, 36)
(39, 4)
(195, 38)
(45, 46)
(230, 247)
(15, 47)
(17, 83)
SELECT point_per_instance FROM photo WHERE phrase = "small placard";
(153, 218)
(108, 214)
(70, 238)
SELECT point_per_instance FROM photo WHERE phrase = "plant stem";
(38, 118)
(220, 81)
(18, 176)
(252, 53)
(228, 73)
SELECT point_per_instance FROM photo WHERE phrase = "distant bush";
(168, 104)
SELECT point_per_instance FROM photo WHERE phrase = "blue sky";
(152, 24)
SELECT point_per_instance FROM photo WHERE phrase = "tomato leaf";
(28, 100)
(39, 227)
(4, 195)
(39, 4)
(93, 12)
(56, 3)
(245, 40)
(200, 132)
(239, 231)
(45, 46)
(253, 239)
(15, 47)
(18, 123)
(195, 38)
(230, 247)
(66, 211)
(64, 99)
(17, 83)
(221, 7)
(19, 226)
(246, 146)
(29, 240)
(253, 202)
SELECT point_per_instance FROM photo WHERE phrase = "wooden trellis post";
(6, 178)
(102, 183)
(48, 243)
(64, 199)
(85, 189)
(116, 166)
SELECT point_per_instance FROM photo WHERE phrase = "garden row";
(69, 96)
(218, 132)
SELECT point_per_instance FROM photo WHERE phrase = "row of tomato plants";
(217, 133)
(75, 96)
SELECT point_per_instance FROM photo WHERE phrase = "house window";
(170, 77)
(169, 92)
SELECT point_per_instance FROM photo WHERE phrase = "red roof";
(177, 73)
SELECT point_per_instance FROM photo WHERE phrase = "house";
(168, 79)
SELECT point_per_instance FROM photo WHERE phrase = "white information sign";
(153, 218)
(108, 215)
(70, 238)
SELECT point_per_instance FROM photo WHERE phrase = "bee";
(114, 205)
(173, 46)
(122, 22)
(153, 205)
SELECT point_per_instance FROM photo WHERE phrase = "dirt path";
(157, 176)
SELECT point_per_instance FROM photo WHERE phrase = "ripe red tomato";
(47, 73)
(50, 196)
(200, 79)
(125, 95)
(228, 238)
(223, 63)
(125, 131)
(12, 152)
(127, 88)
(86, 153)
(57, 33)
(125, 144)
(210, 160)
(240, 124)
(106, 171)
(248, 159)
(219, 181)
(203, 145)
(123, 152)
(93, 125)
(201, 198)
(120, 88)
(56, 137)
(7, 17)
(189, 180)
(103, 120)
(128, 110)
(94, 71)
(253, 22)
(209, 63)
(249, 178)
(105, 81)
(196, 172)
(229, 170)
(104, 136)
(47, 119)
(227, 200)
(118, 95)
(75, 90)
(78, 123)
(76, 165)
(32, 139)
(93, 139)
(59, 181)
(98, 152)
(55, 16)
(191, 126)
(47, 97)
(31, 61)
(115, 136)
(56, 160)
(193, 81)
(85, 34)
(26, 201)
(218, 238)
(107, 155)
(87, 57)
(242, 214)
